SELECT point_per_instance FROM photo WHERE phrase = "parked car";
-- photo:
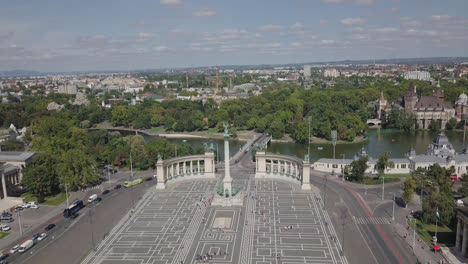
(92, 198)
(34, 237)
(6, 228)
(14, 249)
(34, 206)
(26, 205)
(105, 192)
(73, 216)
(19, 208)
(118, 186)
(149, 179)
(98, 199)
(42, 236)
(110, 171)
(3, 261)
(32, 203)
(49, 227)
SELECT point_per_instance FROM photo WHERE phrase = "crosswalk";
(371, 220)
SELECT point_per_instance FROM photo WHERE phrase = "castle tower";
(410, 98)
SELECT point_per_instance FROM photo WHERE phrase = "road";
(380, 239)
(71, 240)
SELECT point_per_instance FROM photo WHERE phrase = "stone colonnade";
(186, 167)
(282, 167)
(461, 242)
(10, 175)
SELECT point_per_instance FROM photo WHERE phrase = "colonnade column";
(5, 195)
(191, 167)
(457, 238)
(185, 167)
(198, 166)
(465, 237)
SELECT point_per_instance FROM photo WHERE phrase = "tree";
(120, 116)
(434, 126)
(451, 124)
(383, 163)
(40, 177)
(77, 169)
(463, 190)
(438, 201)
(408, 190)
(276, 129)
(358, 168)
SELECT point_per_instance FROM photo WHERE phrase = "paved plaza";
(279, 223)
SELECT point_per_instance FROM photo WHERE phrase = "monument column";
(260, 164)
(457, 238)
(227, 181)
(306, 173)
(160, 174)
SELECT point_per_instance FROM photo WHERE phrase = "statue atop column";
(226, 131)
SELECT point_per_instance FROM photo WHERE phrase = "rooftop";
(6, 156)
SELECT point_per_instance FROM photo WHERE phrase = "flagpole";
(437, 218)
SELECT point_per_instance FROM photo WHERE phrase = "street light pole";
(308, 148)
(342, 168)
(393, 211)
(383, 187)
(414, 232)
(334, 135)
(19, 222)
(464, 132)
(108, 175)
(66, 194)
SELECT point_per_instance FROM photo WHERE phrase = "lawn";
(445, 235)
(404, 175)
(157, 129)
(373, 181)
(51, 200)
(3, 234)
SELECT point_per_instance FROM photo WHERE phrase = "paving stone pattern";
(178, 224)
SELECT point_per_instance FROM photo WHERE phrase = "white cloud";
(364, 2)
(323, 22)
(334, 1)
(353, 21)
(297, 26)
(170, 3)
(160, 48)
(440, 17)
(270, 27)
(409, 22)
(296, 44)
(325, 42)
(204, 12)
(387, 30)
(180, 32)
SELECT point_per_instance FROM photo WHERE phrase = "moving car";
(105, 192)
(73, 216)
(92, 198)
(118, 186)
(36, 236)
(26, 245)
(14, 249)
(49, 227)
(6, 228)
(75, 207)
(42, 236)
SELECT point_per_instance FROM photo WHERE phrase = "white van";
(26, 245)
(92, 198)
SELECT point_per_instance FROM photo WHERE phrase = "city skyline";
(118, 35)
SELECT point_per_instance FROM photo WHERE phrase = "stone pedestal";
(237, 200)
(260, 164)
(306, 175)
(160, 175)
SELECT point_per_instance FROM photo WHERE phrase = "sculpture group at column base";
(306, 186)
(237, 200)
(160, 186)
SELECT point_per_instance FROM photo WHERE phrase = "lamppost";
(383, 187)
(308, 148)
(217, 155)
(19, 222)
(342, 168)
(131, 179)
(464, 131)
(333, 136)
(66, 194)
(325, 192)
(414, 232)
(393, 210)
(108, 175)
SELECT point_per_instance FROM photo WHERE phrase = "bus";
(131, 183)
(73, 209)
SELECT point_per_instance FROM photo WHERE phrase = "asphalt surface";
(71, 240)
(380, 239)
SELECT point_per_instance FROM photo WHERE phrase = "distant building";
(12, 165)
(307, 71)
(333, 73)
(425, 108)
(417, 75)
(67, 89)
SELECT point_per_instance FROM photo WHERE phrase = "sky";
(88, 35)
